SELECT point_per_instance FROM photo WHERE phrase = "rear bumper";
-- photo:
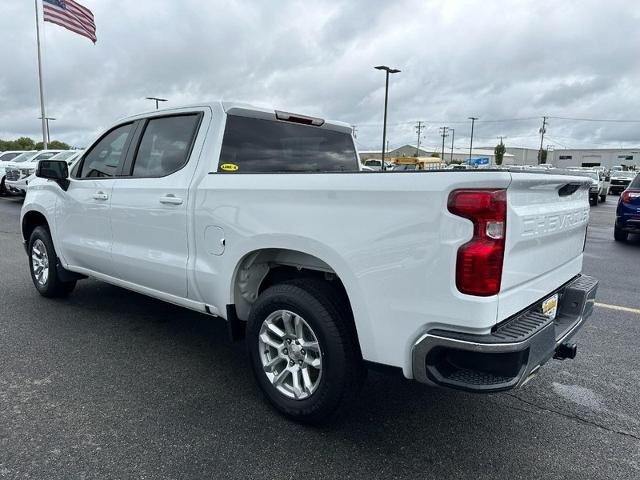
(512, 353)
(630, 224)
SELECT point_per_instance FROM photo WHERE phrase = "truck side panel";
(388, 237)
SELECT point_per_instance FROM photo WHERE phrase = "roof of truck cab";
(245, 109)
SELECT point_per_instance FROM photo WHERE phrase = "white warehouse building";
(579, 157)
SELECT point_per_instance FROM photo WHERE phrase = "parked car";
(265, 219)
(620, 180)
(628, 212)
(373, 163)
(21, 171)
(597, 187)
(22, 157)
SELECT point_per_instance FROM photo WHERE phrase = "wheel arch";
(30, 220)
(262, 267)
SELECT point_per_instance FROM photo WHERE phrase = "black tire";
(53, 287)
(603, 198)
(3, 189)
(593, 201)
(620, 235)
(329, 316)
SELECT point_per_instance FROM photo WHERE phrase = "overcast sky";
(511, 61)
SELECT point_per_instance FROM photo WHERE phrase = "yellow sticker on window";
(229, 167)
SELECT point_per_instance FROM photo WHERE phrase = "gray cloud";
(495, 60)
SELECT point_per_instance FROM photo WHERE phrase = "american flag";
(70, 15)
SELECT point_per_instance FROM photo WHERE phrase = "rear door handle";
(100, 196)
(171, 199)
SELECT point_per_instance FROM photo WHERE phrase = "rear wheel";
(42, 263)
(593, 201)
(3, 188)
(620, 235)
(303, 350)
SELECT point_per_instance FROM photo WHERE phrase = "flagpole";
(44, 121)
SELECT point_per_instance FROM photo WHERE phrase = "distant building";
(459, 154)
(581, 157)
(605, 157)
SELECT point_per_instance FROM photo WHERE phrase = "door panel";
(83, 225)
(83, 219)
(149, 208)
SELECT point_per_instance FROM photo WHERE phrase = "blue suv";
(628, 212)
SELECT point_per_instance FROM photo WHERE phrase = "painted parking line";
(618, 307)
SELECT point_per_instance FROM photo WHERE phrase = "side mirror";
(56, 170)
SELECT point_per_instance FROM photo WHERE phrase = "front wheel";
(3, 188)
(303, 350)
(603, 198)
(42, 263)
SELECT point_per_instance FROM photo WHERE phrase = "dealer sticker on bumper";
(550, 306)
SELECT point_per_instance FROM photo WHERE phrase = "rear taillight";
(628, 196)
(479, 263)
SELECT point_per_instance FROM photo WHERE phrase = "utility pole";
(444, 132)
(542, 131)
(453, 135)
(419, 128)
(473, 121)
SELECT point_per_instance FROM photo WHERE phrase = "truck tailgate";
(547, 217)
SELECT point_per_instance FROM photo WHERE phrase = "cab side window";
(165, 145)
(106, 156)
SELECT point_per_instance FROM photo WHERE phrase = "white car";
(462, 279)
(21, 170)
(21, 157)
(620, 180)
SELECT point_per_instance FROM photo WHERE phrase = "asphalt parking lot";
(112, 384)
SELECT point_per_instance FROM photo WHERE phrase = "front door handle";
(171, 199)
(100, 196)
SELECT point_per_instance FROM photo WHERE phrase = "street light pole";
(386, 101)
(473, 121)
(46, 120)
(157, 100)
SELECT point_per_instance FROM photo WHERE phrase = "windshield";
(44, 156)
(24, 157)
(64, 155)
(8, 156)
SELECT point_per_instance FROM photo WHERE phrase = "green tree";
(53, 145)
(499, 152)
(435, 155)
(24, 143)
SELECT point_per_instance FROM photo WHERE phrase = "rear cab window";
(165, 145)
(253, 145)
(636, 182)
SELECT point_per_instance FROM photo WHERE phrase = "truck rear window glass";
(252, 145)
(636, 182)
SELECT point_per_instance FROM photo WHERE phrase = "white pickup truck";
(464, 279)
